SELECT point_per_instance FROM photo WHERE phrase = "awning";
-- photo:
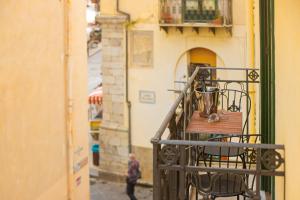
(96, 96)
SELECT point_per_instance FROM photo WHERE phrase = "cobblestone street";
(105, 190)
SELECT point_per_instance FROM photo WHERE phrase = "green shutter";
(267, 81)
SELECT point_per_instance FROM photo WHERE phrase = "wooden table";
(230, 124)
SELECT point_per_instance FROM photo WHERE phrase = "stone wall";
(144, 156)
(114, 151)
(114, 132)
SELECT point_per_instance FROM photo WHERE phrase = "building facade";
(287, 64)
(168, 60)
(43, 104)
(43, 83)
(140, 68)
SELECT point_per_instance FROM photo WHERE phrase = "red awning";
(96, 96)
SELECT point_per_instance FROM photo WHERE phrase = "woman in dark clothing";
(133, 176)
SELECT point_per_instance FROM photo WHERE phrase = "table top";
(230, 124)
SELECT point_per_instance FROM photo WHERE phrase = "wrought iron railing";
(205, 12)
(184, 167)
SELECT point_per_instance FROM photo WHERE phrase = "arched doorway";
(202, 57)
(191, 58)
(196, 57)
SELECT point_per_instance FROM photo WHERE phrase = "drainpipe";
(126, 77)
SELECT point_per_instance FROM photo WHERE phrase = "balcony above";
(196, 14)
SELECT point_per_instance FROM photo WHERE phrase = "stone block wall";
(144, 156)
(114, 152)
(114, 132)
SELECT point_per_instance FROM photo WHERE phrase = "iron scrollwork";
(253, 75)
(253, 156)
(234, 108)
(271, 159)
(169, 154)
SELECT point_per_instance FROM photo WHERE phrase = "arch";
(203, 55)
(199, 55)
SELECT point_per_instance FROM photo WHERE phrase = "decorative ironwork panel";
(271, 159)
(234, 108)
(253, 75)
(169, 154)
(252, 156)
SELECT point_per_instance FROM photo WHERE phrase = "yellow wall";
(108, 7)
(33, 122)
(287, 40)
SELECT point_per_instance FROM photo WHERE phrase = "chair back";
(236, 101)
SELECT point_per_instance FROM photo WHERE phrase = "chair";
(236, 101)
(222, 163)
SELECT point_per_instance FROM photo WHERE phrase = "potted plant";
(218, 20)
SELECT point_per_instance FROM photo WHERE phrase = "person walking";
(132, 176)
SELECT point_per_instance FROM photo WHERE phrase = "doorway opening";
(202, 57)
(192, 58)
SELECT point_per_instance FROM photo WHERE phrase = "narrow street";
(105, 190)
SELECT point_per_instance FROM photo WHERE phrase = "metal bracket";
(213, 30)
(196, 29)
(180, 29)
(166, 29)
(229, 30)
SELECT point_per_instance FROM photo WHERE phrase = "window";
(210, 12)
(174, 10)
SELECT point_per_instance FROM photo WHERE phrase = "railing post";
(182, 180)
(247, 91)
(258, 174)
(173, 185)
(156, 172)
(184, 115)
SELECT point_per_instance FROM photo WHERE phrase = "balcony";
(196, 14)
(201, 165)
